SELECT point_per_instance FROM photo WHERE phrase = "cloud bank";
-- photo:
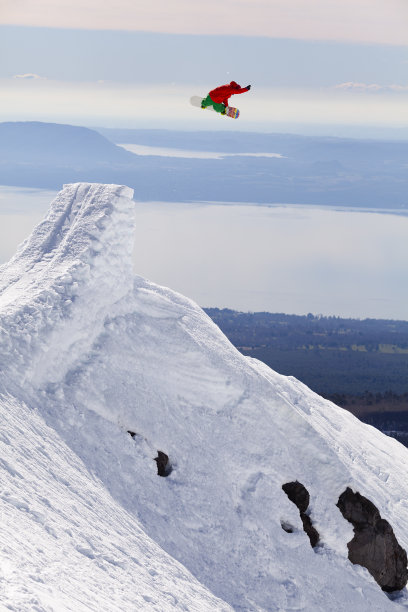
(29, 76)
(371, 87)
(116, 105)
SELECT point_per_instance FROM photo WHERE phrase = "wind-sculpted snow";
(58, 288)
(96, 351)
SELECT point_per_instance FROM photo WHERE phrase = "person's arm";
(242, 89)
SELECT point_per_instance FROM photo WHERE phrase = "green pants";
(220, 108)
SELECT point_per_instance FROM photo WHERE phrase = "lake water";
(187, 154)
(292, 259)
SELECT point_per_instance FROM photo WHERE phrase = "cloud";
(371, 87)
(29, 76)
(398, 87)
(370, 21)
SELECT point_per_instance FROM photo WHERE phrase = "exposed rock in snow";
(374, 544)
(89, 352)
(163, 465)
(299, 495)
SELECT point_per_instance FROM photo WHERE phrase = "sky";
(134, 63)
(375, 21)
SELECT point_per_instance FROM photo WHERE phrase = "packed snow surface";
(90, 351)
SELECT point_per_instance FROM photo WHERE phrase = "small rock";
(163, 465)
(299, 495)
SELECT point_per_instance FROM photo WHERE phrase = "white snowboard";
(196, 101)
(231, 111)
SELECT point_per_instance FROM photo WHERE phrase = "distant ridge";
(307, 170)
(53, 143)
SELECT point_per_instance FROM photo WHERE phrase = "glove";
(248, 87)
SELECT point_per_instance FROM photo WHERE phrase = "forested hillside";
(330, 354)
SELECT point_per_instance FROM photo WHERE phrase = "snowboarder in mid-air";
(218, 97)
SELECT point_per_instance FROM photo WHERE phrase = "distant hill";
(316, 171)
(54, 143)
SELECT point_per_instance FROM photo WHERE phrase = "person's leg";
(219, 108)
(206, 102)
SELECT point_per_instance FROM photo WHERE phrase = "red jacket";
(221, 94)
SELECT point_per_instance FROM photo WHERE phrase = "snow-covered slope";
(65, 543)
(90, 351)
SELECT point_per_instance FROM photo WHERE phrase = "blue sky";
(151, 58)
(310, 62)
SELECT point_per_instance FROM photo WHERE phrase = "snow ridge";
(95, 352)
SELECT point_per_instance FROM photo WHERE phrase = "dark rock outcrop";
(374, 545)
(299, 495)
(163, 465)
